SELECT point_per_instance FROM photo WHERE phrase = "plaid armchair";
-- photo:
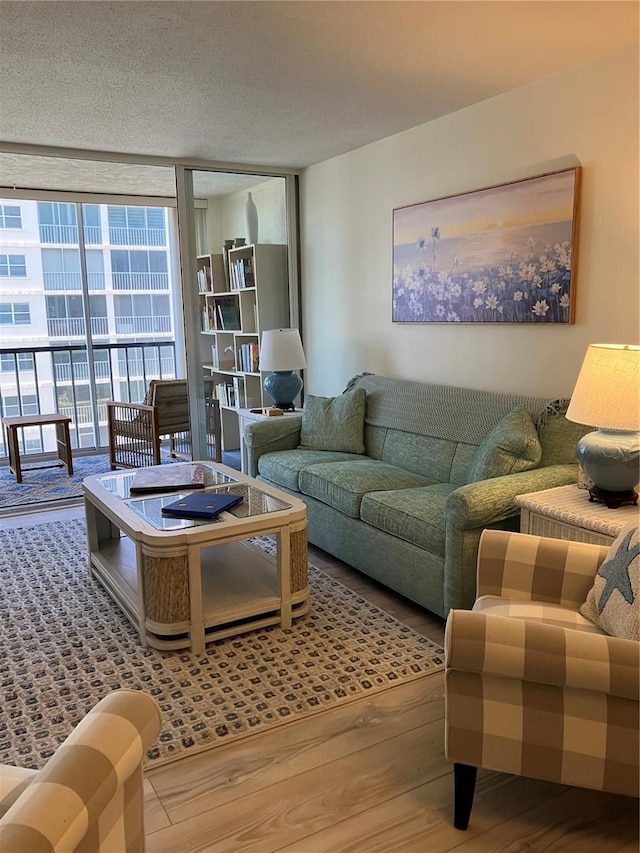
(89, 794)
(532, 686)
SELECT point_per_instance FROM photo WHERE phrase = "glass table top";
(149, 507)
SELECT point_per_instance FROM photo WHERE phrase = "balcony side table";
(63, 441)
(565, 512)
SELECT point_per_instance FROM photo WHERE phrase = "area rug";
(65, 645)
(47, 485)
(53, 485)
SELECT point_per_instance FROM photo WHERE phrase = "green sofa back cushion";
(511, 446)
(334, 423)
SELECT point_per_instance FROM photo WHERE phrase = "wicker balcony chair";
(532, 687)
(136, 429)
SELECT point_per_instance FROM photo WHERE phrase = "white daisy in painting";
(477, 302)
(540, 308)
(564, 300)
(492, 302)
(517, 296)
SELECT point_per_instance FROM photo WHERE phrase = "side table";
(565, 512)
(247, 416)
(63, 441)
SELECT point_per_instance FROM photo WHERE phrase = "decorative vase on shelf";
(251, 220)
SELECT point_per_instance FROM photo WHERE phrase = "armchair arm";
(536, 568)
(137, 407)
(123, 418)
(543, 654)
(489, 501)
(92, 785)
(268, 436)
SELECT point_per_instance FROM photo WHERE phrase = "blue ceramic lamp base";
(611, 460)
(283, 386)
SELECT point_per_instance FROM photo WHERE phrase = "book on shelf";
(249, 358)
(242, 274)
(254, 358)
(228, 393)
(228, 316)
(205, 282)
(237, 392)
(168, 478)
(202, 505)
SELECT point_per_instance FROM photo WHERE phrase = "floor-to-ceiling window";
(83, 320)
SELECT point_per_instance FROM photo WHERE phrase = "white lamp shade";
(281, 349)
(607, 393)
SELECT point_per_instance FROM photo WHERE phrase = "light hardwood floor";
(364, 778)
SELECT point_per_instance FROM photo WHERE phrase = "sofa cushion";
(283, 467)
(415, 515)
(343, 484)
(511, 446)
(613, 601)
(334, 423)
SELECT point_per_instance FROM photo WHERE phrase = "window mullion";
(86, 310)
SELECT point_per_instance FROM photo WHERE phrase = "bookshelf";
(238, 301)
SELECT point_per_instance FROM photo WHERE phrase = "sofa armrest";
(544, 654)
(489, 501)
(92, 786)
(537, 568)
(268, 436)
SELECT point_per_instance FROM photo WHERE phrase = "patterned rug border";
(152, 764)
(428, 658)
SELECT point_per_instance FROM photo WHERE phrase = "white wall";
(225, 216)
(587, 116)
(269, 198)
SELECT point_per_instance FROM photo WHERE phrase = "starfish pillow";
(613, 602)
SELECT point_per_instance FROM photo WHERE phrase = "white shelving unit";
(237, 304)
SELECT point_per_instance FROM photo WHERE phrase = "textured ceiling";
(270, 83)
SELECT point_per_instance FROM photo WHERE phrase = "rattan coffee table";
(184, 583)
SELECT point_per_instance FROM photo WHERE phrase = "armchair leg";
(464, 786)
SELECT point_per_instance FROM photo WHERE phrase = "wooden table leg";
(13, 447)
(63, 440)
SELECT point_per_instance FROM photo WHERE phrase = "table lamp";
(607, 395)
(281, 352)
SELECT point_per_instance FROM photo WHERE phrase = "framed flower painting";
(504, 254)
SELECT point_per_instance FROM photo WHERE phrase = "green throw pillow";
(612, 602)
(334, 423)
(558, 436)
(511, 446)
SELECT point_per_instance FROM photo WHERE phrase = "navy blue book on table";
(201, 505)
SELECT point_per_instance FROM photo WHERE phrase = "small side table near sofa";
(565, 512)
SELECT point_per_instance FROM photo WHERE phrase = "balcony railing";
(140, 280)
(137, 236)
(68, 234)
(72, 281)
(74, 327)
(82, 414)
(60, 376)
(143, 325)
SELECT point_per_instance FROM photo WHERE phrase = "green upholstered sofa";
(404, 511)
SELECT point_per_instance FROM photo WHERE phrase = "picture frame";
(502, 254)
